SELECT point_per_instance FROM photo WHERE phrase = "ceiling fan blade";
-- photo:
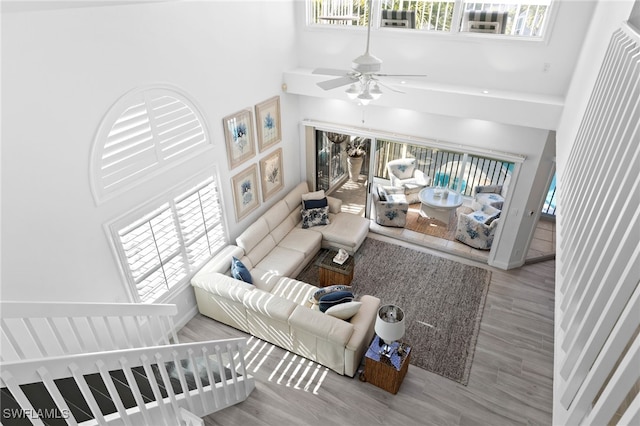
(389, 87)
(337, 82)
(331, 71)
(400, 75)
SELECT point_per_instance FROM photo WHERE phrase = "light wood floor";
(510, 381)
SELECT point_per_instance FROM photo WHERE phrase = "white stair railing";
(48, 329)
(187, 381)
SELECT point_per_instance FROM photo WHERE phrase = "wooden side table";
(386, 372)
(331, 273)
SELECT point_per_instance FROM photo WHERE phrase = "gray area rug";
(442, 300)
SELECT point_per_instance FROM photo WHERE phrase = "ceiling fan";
(363, 76)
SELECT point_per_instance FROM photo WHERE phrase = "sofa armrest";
(335, 205)
(322, 325)
(363, 323)
(222, 286)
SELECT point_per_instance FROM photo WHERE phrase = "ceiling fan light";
(365, 97)
(375, 91)
(352, 92)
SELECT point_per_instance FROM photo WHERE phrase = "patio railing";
(456, 170)
(525, 19)
(461, 172)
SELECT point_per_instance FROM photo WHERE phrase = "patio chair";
(403, 173)
(390, 205)
(483, 21)
(398, 18)
(477, 229)
(490, 195)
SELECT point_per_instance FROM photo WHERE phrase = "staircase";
(99, 364)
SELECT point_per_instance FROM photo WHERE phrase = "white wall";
(61, 71)
(462, 59)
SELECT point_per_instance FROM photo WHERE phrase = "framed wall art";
(271, 175)
(268, 123)
(244, 186)
(238, 134)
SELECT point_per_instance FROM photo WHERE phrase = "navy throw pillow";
(239, 271)
(334, 298)
(314, 204)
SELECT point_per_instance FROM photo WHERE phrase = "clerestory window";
(161, 245)
(524, 19)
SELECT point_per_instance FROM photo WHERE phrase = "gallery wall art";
(271, 174)
(239, 137)
(268, 123)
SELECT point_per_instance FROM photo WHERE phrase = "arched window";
(146, 131)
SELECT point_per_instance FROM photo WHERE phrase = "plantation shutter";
(160, 249)
(145, 131)
(153, 253)
(200, 218)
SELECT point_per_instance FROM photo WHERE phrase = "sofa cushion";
(345, 310)
(306, 241)
(280, 261)
(334, 298)
(315, 217)
(268, 305)
(253, 235)
(276, 214)
(287, 224)
(345, 229)
(263, 279)
(239, 271)
(294, 198)
(260, 250)
(293, 290)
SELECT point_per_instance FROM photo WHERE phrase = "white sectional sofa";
(275, 307)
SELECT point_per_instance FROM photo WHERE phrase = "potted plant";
(356, 149)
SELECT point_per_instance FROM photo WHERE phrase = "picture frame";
(245, 190)
(268, 123)
(271, 174)
(239, 137)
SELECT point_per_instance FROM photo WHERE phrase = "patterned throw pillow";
(239, 271)
(315, 217)
(315, 297)
(335, 298)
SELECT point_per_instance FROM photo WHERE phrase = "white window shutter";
(200, 218)
(152, 250)
(146, 131)
(160, 249)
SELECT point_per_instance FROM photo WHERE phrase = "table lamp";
(389, 326)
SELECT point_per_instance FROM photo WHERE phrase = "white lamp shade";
(390, 323)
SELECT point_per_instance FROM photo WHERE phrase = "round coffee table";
(440, 208)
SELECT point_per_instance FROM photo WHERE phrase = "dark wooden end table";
(386, 372)
(334, 273)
